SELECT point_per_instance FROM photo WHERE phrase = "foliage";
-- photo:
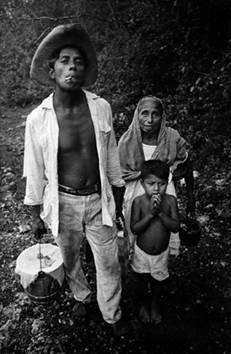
(177, 50)
(27, 22)
(180, 51)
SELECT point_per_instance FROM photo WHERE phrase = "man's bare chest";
(76, 133)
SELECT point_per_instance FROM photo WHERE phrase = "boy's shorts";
(156, 265)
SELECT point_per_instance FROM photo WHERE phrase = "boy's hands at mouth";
(155, 204)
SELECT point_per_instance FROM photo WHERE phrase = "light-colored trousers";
(78, 213)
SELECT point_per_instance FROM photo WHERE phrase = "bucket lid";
(28, 261)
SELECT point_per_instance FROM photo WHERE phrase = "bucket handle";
(40, 255)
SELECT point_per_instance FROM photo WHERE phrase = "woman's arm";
(189, 181)
(188, 172)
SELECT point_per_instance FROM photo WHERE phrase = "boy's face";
(69, 69)
(154, 185)
(150, 117)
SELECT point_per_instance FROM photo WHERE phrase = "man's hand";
(38, 228)
(120, 224)
(120, 215)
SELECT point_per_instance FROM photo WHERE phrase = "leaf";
(203, 219)
(24, 228)
(37, 326)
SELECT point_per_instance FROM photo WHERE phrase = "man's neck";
(67, 99)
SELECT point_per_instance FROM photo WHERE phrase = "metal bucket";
(44, 290)
(41, 280)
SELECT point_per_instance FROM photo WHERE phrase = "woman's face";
(149, 116)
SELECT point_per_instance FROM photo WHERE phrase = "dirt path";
(196, 316)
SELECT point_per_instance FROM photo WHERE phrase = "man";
(71, 165)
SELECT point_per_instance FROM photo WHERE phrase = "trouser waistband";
(95, 188)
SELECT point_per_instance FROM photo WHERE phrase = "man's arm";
(35, 179)
(138, 224)
(114, 172)
(113, 168)
(33, 168)
(171, 222)
(118, 193)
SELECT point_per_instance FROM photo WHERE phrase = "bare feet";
(144, 314)
(156, 316)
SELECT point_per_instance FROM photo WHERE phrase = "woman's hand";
(190, 208)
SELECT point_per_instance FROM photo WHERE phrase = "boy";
(154, 216)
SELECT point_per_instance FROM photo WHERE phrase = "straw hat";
(61, 36)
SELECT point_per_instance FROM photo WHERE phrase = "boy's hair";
(155, 167)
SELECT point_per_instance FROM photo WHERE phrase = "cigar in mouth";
(70, 79)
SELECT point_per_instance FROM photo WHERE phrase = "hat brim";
(63, 36)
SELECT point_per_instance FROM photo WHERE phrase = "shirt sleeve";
(33, 168)
(114, 172)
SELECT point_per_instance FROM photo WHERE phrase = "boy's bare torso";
(155, 238)
(77, 154)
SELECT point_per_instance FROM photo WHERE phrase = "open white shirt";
(40, 159)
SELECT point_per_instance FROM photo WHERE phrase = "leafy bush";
(178, 51)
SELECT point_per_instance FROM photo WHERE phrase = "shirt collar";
(47, 103)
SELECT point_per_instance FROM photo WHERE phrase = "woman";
(148, 138)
